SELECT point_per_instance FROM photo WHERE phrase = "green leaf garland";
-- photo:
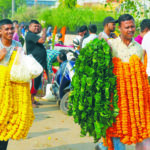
(93, 99)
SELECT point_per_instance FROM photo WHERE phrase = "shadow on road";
(45, 109)
(81, 146)
(78, 146)
(37, 134)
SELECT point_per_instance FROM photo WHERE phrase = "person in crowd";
(59, 36)
(34, 46)
(123, 47)
(76, 42)
(16, 35)
(24, 45)
(15, 22)
(52, 56)
(7, 46)
(109, 24)
(92, 35)
(145, 27)
(49, 34)
(22, 29)
(83, 32)
(62, 59)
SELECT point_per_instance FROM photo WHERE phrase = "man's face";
(40, 28)
(81, 34)
(111, 26)
(7, 31)
(34, 28)
(127, 29)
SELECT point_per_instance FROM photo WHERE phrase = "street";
(52, 130)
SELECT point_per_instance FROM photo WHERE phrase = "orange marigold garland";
(133, 122)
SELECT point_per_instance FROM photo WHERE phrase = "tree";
(68, 3)
(5, 7)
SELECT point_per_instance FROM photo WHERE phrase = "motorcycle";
(62, 84)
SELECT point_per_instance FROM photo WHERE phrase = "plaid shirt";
(51, 58)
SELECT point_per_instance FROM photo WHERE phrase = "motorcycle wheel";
(64, 103)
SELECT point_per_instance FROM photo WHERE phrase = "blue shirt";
(51, 58)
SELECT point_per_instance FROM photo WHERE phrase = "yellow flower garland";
(16, 113)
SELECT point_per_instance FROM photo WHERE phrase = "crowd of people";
(123, 46)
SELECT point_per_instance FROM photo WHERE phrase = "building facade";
(41, 2)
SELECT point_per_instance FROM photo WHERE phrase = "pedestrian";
(34, 46)
(146, 42)
(54, 56)
(123, 48)
(92, 35)
(84, 33)
(11, 93)
(16, 35)
(145, 27)
(109, 24)
(49, 35)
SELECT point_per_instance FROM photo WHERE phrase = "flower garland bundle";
(63, 32)
(93, 100)
(16, 113)
(133, 122)
(53, 36)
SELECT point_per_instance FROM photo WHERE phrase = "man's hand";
(3, 53)
(43, 38)
(44, 30)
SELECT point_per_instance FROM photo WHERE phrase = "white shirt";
(9, 49)
(124, 52)
(91, 37)
(103, 35)
(146, 46)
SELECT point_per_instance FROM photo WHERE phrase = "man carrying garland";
(16, 114)
(132, 123)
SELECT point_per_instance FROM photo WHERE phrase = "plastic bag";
(24, 68)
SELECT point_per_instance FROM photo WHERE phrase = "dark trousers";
(3, 145)
(149, 79)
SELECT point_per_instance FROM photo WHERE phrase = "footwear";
(35, 106)
(97, 147)
(37, 103)
(100, 146)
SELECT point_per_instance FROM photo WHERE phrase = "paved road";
(52, 130)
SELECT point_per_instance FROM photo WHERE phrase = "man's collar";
(133, 42)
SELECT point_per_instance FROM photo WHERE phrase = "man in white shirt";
(109, 24)
(92, 36)
(146, 47)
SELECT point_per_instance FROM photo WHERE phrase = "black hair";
(5, 21)
(62, 56)
(83, 28)
(26, 27)
(15, 21)
(34, 21)
(92, 28)
(145, 24)
(125, 17)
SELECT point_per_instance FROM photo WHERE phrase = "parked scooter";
(62, 84)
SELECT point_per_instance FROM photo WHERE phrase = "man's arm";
(3, 53)
(43, 38)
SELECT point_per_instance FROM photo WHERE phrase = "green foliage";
(93, 100)
(25, 14)
(71, 18)
(68, 3)
(6, 5)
